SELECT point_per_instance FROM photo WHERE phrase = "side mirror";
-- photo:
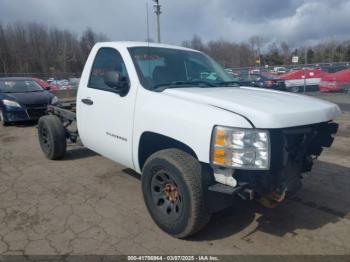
(119, 84)
(48, 88)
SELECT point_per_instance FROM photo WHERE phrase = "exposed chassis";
(66, 111)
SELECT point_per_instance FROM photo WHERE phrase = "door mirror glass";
(116, 81)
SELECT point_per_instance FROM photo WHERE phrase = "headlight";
(10, 103)
(54, 100)
(241, 148)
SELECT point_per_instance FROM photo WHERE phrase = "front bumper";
(35, 112)
(29, 113)
(292, 153)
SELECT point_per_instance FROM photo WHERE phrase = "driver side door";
(105, 118)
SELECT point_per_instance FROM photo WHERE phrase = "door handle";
(87, 101)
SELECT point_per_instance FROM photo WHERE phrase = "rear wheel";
(2, 119)
(52, 137)
(173, 193)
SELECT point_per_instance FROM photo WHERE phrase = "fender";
(190, 123)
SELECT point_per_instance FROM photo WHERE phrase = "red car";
(45, 85)
(335, 82)
(295, 79)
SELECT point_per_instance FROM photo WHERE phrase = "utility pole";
(157, 11)
(305, 57)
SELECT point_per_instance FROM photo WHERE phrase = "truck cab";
(177, 117)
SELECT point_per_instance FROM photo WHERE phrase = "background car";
(263, 81)
(64, 84)
(22, 99)
(334, 68)
(279, 70)
(229, 71)
(295, 79)
(45, 85)
(335, 82)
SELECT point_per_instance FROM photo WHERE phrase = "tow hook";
(272, 200)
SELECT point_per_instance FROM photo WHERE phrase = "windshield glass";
(19, 86)
(163, 66)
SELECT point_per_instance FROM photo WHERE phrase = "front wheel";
(173, 193)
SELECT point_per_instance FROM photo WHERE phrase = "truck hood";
(263, 108)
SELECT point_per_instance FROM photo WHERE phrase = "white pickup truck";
(199, 139)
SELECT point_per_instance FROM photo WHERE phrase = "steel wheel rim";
(44, 138)
(166, 195)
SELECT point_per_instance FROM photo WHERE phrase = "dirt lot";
(87, 204)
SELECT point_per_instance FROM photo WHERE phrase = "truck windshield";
(166, 68)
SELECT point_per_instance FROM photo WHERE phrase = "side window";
(107, 59)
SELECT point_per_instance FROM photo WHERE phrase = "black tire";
(185, 214)
(2, 119)
(52, 137)
(294, 89)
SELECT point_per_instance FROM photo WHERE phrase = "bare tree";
(285, 53)
(256, 43)
(35, 48)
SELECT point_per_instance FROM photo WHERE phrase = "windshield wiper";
(176, 84)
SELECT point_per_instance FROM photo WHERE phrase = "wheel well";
(152, 142)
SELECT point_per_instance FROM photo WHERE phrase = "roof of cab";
(127, 44)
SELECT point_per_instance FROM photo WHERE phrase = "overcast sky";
(297, 21)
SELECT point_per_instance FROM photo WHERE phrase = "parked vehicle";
(279, 70)
(74, 82)
(295, 69)
(335, 82)
(229, 71)
(45, 85)
(22, 99)
(263, 81)
(295, 79)
(254, 71)
(65, 84)
(198, 142)
(334, 68)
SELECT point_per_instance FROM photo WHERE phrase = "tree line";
(256, 51)
(36, 48)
